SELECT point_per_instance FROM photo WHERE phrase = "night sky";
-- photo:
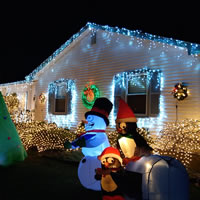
(31, 32)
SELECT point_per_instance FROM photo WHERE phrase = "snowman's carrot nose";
(85, 121)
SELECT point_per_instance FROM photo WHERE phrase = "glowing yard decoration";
(99, 142)
(162, 178)
(128, 146)
(94, 147)
(11, 147)
(96, 123)
(179, 140)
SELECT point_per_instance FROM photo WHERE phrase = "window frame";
(52, 96)
(149, 112)
(146, 94)
(65, 107)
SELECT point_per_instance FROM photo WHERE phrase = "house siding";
(115, 53)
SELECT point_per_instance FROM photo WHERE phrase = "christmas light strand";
(192, 47)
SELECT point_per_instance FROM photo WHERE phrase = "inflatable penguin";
(110, 162)
(94, 141)
(156, 177)
(130, 142)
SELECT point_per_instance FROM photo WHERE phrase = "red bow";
(116, 197)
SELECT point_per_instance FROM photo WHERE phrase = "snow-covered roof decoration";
(193, 48)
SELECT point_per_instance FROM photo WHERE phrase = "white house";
(112, 62)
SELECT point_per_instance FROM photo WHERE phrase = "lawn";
(41, 177)
(48, 178)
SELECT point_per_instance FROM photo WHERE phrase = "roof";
(193, 48)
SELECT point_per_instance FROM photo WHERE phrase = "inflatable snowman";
(93, 142)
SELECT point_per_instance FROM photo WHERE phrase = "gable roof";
(193, 48)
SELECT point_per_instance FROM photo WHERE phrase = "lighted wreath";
(180, 91)
(89, 94)
(42, 98)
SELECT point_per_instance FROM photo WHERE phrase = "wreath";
(42, 98)
(89, 94)
(180, 91)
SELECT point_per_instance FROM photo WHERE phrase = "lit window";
(60, 97)
(140, 89)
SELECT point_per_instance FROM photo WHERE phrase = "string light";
(191, 47)
(179, 140)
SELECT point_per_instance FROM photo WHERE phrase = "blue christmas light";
(192, 47)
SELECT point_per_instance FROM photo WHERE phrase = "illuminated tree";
(11, 147)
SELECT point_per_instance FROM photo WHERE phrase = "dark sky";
(32, 32)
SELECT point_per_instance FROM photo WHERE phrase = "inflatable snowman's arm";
(81, 141)
(95, 141)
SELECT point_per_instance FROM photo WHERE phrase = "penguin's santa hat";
(110, 152)
(125, 113)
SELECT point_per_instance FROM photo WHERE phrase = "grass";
(42, 177)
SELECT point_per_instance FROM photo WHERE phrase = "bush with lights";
(179, 140)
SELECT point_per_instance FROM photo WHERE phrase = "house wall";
(24, 91)
(114, 53)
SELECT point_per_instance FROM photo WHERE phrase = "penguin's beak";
(106, 164)
(119, 129)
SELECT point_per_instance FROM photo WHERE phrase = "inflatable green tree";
(11, 147)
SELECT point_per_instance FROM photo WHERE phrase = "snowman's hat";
(125, 113)
(102, 107)
(110, 152)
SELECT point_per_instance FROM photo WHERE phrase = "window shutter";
(69, 101)
(51, 99)
(154, 94)
(119, 92)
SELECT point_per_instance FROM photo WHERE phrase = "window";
(140, 89)
(60, 99)
(60, 96)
